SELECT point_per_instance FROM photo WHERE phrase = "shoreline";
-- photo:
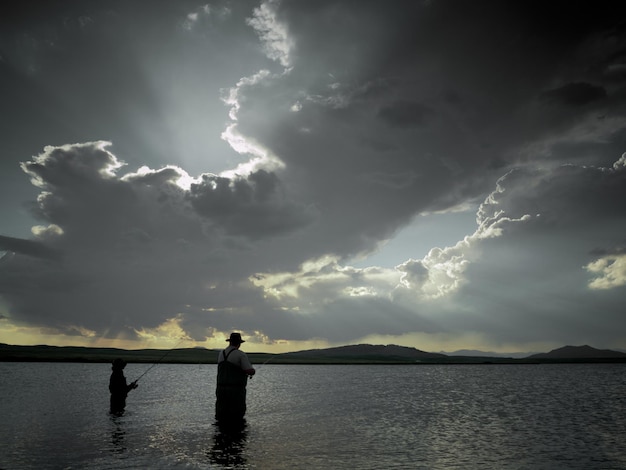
(79, 354)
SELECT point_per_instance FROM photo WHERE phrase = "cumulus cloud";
(531, 259)
(348, 125)
(135, 248)
(524, 254)
(610, 272)
(252, 207)
(140, 253)
(273, 33)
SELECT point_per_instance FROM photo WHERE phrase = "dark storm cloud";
(574, 94)
(138, 249)
(406, 114)
(352, 120)
(500, 59)
(27, 247)
(564, 195)
(254, 206)
(134, 73)
(539, 233)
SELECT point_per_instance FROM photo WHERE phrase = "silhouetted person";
(118, 387)
(233, 370)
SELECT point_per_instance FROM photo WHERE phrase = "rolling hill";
(579, 352)
(352, 354)
(366, 353)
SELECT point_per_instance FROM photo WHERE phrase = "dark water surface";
(55, 416)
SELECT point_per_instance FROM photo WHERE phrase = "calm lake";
(55, 416)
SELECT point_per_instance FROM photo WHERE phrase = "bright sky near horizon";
(438, 174)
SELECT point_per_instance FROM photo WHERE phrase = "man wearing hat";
(233, 370)
(118, 387)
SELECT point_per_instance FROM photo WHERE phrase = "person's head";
(119, 364)
(235, 339)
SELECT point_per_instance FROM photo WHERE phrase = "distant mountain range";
(380, 352)
(579, 352)
(478, 353)
(566, 352)
(402, 354)
(353, 354)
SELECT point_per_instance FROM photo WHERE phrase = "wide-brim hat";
(235, 338)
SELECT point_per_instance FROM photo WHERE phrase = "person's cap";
(235, 338)
(119, 363)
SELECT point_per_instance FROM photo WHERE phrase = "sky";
(435, 174)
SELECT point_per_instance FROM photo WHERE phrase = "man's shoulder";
(238, 353)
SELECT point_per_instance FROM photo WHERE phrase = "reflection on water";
(228, 447)
(117, 435)
(550, 417)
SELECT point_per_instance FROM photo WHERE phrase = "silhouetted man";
(233, 370)
(118, 387)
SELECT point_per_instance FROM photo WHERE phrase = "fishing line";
(270, 359)
(158, 362)
(257, 368)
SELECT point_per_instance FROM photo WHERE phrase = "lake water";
(55, 416)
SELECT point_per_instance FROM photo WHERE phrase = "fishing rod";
(271, 358)
(158, 362)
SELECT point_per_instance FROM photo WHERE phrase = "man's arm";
(246, 366)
